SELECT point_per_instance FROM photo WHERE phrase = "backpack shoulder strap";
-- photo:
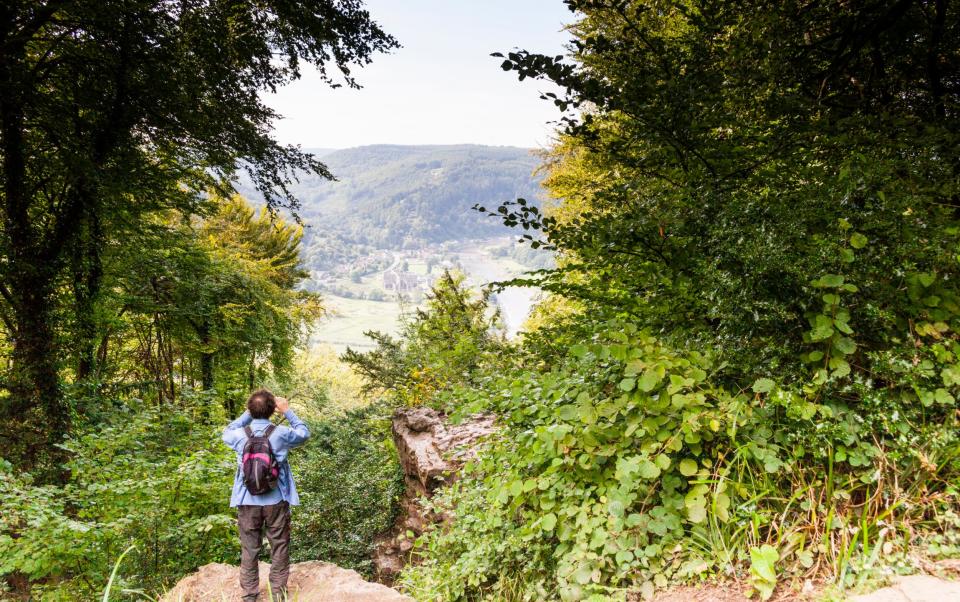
(269, 430)
(248, 432)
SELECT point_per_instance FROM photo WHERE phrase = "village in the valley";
(382, 273)
(370, 291)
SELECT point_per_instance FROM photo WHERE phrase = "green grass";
(351, 318)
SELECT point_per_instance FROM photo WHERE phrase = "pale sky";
(441, 87)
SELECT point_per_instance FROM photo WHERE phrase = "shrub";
(349, 481)
(148, 477)
(626, 465)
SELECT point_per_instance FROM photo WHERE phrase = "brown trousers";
(253, 521)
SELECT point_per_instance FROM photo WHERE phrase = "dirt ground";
(323, 582)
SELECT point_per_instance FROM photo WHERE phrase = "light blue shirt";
(282, 439)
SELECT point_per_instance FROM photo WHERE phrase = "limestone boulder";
(312, 581)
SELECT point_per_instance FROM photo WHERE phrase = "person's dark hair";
(261, 404)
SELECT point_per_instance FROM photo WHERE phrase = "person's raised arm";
(298, 433)
(234, 430)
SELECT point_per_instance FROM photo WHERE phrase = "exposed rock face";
(431, 451)
(312, 581)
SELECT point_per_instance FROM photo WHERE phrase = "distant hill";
(401, 196)
(394, 197)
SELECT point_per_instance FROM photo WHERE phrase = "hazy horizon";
(329, 150)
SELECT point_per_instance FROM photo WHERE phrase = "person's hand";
(282, 405)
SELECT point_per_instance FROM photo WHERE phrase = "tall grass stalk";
(113, 574)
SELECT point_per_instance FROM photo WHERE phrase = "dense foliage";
(441, 346)
(733, 154)
(158, 479)
(112, 113)
(624, 464)
(147, 477)
(140, 301)
(349, 481)
(750, 365)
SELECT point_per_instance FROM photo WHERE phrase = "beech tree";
(115, 108)
(721, 157)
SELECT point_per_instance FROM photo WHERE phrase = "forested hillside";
(406, 197)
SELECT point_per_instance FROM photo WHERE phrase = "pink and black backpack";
(260, 467)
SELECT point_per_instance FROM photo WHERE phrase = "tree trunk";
(36, 415)
(87, 281)
(36, 398)
(206, 357)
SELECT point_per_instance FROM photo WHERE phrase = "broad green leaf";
(828, 281)
(845, 345)
(763, 562)
(648, 470)
(688, 467)
(583, 574)
(943, 396)
(843, 327)
(763, 385)
(615, 507)
(649, 380)
(840, 367)
(721, 502)
(822, 328)
(624, 557)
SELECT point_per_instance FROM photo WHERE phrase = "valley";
(398, 216)
(359, 302)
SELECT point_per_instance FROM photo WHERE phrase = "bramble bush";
(628, 466)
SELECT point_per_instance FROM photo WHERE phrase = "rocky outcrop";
(431, 450)
(312, 581)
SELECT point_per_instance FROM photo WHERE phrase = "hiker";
(263, 489)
